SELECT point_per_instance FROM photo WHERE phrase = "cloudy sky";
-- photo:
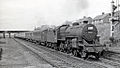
(27, 14)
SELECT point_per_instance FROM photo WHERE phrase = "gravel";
(15, 56)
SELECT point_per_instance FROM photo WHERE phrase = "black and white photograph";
(59, 34)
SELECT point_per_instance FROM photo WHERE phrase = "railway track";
(105, 62)
(112, 57)
(63, 60)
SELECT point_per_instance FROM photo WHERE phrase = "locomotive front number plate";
(90, 28)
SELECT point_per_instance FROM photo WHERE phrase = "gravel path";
(15, 56)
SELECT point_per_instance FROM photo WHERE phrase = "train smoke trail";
(63, 10)
(27, 14)
(75, 5)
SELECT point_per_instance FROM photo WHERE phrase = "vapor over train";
(80, 39)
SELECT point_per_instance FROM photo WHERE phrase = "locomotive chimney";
(103, 13)
(84, 16)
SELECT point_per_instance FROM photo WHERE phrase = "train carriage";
(36, 36)
(51, 38)
(51, 35)
(28, 36)
(20, 35)
(44, 37)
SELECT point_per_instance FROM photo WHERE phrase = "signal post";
(113, 19)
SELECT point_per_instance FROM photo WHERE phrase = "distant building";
(117, 25)
(117, 31)
(117, 14)
(85, 20)
(104, 18)
(102, 23)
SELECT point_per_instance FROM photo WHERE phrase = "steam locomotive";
(80, 39)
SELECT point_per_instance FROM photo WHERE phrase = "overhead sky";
(28, 14)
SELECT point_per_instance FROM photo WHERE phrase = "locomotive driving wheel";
(47, 45)
(75, 53)
(84, 55)
(61, 47)
(97, 55)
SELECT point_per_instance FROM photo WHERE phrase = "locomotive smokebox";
(89, 32)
